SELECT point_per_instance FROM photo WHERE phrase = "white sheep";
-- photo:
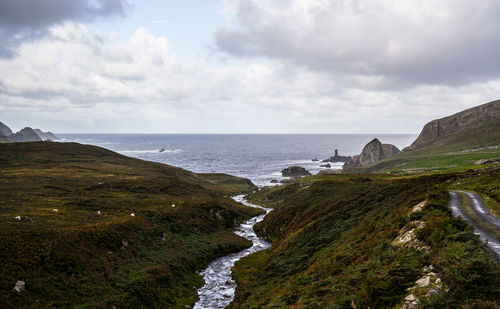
(132, 215)
(55, 210)
(18, 218)
(99, 212)
(173, 205)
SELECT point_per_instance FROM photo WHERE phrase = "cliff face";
(46, 135)
(373, 152)
(5, 130)
(25, 135)
(440, 128)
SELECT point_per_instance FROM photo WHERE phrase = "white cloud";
(405, 42)
(73, 80)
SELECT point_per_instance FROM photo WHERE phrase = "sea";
(258, 157)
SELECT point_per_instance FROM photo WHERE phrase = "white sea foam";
(152, 151)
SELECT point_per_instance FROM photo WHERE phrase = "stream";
(218, 291)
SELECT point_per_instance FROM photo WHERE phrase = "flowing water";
(218, 291)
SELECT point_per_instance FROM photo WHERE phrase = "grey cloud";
(22, 20)
(408, 43)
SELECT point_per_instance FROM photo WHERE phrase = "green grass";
(333, 244)
(456, 152)
(77, 258)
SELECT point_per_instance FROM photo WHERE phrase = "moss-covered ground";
(333, 244)
(458, 151)
(69, 255)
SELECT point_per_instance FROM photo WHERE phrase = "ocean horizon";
(258, 157)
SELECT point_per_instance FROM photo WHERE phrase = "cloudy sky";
(245, 66)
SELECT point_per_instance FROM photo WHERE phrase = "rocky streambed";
(218, 291)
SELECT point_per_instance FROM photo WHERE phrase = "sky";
(245, 66)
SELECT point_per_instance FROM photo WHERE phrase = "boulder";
(19, 286)
(326, 165)
(373, 152)
(294, 172)
(328, 172)
(273, 181)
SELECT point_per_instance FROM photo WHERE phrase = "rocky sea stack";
(338, 158)
(373, 152)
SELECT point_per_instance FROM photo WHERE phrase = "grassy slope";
(333, 244)
(75, 257)
(457, 151)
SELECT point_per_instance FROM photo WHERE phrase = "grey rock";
(373, 152)
(338, 158)
(25, 135)
(295, 171)
(487, 161)
(46, 135)
(5, 130)
(20, 286)
(328, 172)
(469, 118)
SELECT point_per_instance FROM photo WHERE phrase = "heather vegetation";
(83, 226)
(336, 244)
(460, 150)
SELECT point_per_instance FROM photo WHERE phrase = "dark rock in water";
(373, 152)
(287, 180)
(315, 160)
(46, 135)
(273, 181)
(25, 135)
(337, 158)
(5, 130)
(326, 165)
(295, 171)
(161, 150)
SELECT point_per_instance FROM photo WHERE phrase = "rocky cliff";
(373, 152)
(5, 130)
(25, 135)
(439, 128)
(46, 135)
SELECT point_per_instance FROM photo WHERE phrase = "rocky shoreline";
(372, 152)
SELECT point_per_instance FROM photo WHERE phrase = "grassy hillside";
(458, 151)
(69, 255)
(346, 241)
